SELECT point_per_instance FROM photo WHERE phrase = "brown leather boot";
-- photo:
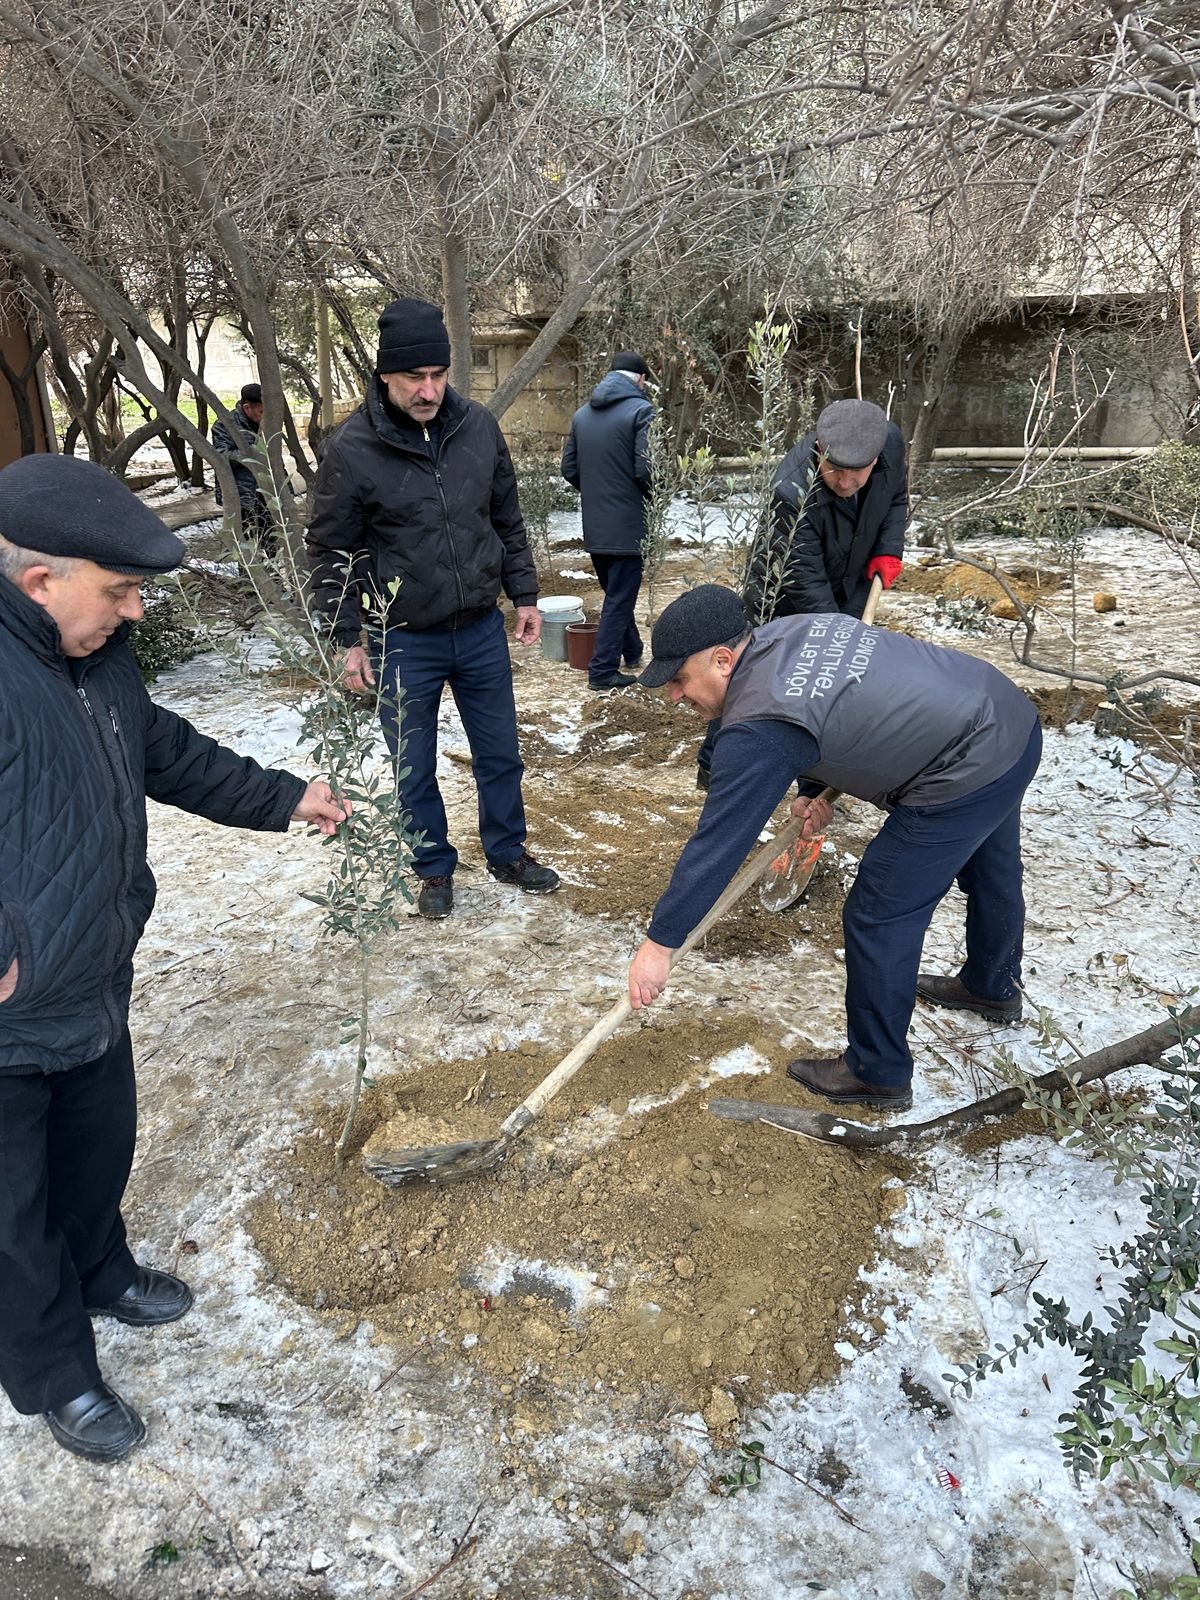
(830, 1077)
(954, 993)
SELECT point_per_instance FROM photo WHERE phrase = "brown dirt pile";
(957, 581)
(683, 1253)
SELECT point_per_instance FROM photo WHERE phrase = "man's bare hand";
(356, 670)
(320, 806)
(529, 625)
(8, 983)
(648, 973)
(817, 814)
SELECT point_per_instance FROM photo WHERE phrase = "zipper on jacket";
(437, 475)
(124, 877)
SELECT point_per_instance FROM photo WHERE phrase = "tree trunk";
(925, 434)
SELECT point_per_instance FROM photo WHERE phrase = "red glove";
(885, 568)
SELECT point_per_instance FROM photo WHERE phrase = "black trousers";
(66, 1149)
(620, 578)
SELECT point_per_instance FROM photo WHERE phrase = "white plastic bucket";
(557, 610)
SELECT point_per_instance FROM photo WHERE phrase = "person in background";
(607, 458)
(839, 509)
(237, 443)
(941, 741)
(82, 745)
(416, 510)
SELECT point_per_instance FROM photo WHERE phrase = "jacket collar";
(404, 437)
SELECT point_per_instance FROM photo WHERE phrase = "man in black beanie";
(416, 528)
(81, 746)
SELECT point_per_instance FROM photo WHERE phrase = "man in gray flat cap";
(81, 747)
(818, 695)
(839, 508)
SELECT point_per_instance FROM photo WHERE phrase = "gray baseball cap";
(852, 432)
(707, 615)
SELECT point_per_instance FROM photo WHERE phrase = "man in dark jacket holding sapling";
(82, 745)
(940, 740)
(237, 443)
(607, 458)
(416, 513)
(839, 508)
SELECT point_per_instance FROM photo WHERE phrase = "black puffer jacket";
(815, 558)
(235, 448)
(607, 458)
(448, 529)
(81, 746)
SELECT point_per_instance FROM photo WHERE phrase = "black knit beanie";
(59, 506)
(411, 335)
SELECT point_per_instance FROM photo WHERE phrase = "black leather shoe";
(525, 873)
(615, 680)
(436, 899)
(954, 993)
(152, 1298)
(830, 1077)
(98, 1425)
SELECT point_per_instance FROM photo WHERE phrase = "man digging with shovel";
(943, 742)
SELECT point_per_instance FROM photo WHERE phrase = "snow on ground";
(290, 1457)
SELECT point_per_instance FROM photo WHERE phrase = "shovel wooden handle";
(536, 1101)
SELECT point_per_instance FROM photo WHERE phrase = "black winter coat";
(607, 458)
(235, 448)
(81, 746)
(448, 529)
(815, 558)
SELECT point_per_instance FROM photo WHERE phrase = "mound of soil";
(640, 727)
(632, 1244)
(957, 581)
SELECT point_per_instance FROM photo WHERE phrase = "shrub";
(164, 638)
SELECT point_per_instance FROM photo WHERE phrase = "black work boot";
(525, 873)
(151, 1299)
(830, 1077)
(954, 993)
(98, 1425)
(615, 680)
(436, 899)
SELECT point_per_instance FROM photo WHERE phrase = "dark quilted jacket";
(439, 538)
(81, 746)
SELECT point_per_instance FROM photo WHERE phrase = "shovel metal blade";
(786, 879)
(436, 1163)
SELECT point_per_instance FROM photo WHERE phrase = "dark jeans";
(473, 660)
(620, 578)
(66, 1148)
(906, 869)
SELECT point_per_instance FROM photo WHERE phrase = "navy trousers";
(620, 578)
(907, 868)
(473, 660)
(66, 1149)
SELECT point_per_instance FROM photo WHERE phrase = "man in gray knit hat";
(941, 741)
(81, 746)
(839, 508)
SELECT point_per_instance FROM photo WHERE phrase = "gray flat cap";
(852, 432)
(63, 507)
(707, 615)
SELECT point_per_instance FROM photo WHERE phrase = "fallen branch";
(1142, 1049)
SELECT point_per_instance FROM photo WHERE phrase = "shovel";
(451, 1163)
(795, 860)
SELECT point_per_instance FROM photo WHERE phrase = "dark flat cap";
(852, 432)
(63, 507)
(707, 615)
(251, 394)
(628, 361)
